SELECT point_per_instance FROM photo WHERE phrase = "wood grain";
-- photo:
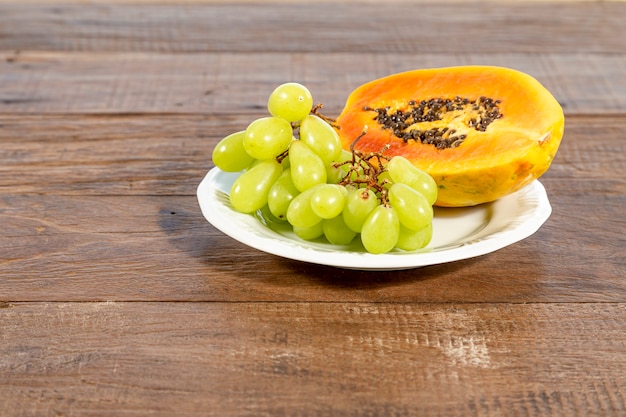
(170, 154)
(57, 248)
(110, 213)
(484, 27)
(118, 299)
(235, 83)
(323, 359)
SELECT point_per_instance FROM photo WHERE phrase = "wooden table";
(117, 298)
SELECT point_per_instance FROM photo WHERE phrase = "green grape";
(427, 235)
(290, 101)
(307, 169)
(385, 179)
(300, 213)
(337, 170)
(334, 174)
(267, 137)
(328, 200)
(321, 138)
(286, 162)
(336, 231)
(412, 207)
(309, 233)
(344, 156)
(265, 216)
(414, 239)
(381, 230)
(249, 191)
(229, 154)
(401, 170)
(280, 195)
(359, 204)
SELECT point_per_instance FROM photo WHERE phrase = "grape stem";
(316, 111)
(282, 156)
(365, 170)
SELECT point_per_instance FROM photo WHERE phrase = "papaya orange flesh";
(481, 132)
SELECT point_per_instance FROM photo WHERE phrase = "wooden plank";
(83, 226)
(109, 155)
(322, 359)
(117, 298)
(170, 154)
(273, 2)
(100, 219)
(365, 27)
(232, 83)
(73, 248)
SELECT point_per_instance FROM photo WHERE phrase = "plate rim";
(527, 224)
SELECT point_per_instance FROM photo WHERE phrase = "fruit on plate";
(480, 132)
(294, 171)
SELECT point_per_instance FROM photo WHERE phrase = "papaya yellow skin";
(514, 150)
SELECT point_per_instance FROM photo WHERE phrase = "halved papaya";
(481, 132)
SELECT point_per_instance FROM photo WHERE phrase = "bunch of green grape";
(294, 169)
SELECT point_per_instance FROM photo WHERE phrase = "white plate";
(458, 233)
